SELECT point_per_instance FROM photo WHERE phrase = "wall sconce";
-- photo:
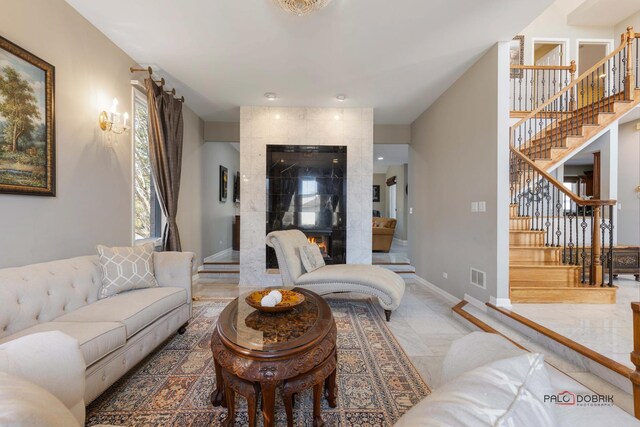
(113, 122)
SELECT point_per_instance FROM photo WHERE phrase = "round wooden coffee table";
(254, 353)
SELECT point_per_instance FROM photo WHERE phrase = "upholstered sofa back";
(39, 293)
(380, 222)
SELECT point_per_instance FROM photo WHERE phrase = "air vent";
(478, 278)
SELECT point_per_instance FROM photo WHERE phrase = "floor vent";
(478, 278)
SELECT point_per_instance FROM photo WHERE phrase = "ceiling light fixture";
(271, 96)
(302, 7)
(341, 98)
(380, 158)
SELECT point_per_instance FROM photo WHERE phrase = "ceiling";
(396, 56)
(603, 13)
(392, 154)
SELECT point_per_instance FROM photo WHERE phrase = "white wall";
(260, 126)
(552, 24)
(633, 20)
(459, 154)
(400, 172)
(94, 196)
(380, 179)
(628, 182)
(217, 215)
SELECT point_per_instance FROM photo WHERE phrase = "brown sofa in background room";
(383, 229)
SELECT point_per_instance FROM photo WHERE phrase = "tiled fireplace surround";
(261, 126)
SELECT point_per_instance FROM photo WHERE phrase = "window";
(148, 215)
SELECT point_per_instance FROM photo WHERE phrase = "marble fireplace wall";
(261, 126)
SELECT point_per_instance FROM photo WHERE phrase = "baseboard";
(400, 242)
(475, 302)
(446, 295)
(218, 255)
(500, 302)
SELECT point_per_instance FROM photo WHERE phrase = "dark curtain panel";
(165, 155)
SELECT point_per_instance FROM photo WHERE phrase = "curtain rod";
(161, 82)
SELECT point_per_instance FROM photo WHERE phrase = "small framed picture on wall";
(376, 193)
(224, 183)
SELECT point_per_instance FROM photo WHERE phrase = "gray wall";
(380, 179)
(217, 216)
(628, 181)
(458, 155)
(94, 183)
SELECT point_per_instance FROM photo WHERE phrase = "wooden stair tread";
(219, 271)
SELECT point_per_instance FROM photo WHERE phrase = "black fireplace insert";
(307, 191)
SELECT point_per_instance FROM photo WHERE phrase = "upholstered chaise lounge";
(364, 279)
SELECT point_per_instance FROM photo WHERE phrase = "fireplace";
(306, 190)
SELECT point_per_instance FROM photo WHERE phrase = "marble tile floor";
(397, 254)
(604, 328)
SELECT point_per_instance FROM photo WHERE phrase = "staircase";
(223, 268)
(560, 244)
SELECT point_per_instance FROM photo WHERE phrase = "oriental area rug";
(376, 381)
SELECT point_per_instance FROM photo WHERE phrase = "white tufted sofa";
(115, 333)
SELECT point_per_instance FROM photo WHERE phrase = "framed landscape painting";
(27, 127)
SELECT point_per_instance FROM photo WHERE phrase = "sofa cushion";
(126, 268)
(507, 392)
(135, 309)
(96, 339)
(23, 403)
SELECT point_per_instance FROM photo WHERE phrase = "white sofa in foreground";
(488, 381)
(114, 333)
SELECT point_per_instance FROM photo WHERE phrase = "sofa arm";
(51, 360)
(174, 269)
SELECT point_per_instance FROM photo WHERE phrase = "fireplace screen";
(306, 190)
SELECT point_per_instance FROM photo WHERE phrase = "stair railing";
(581, 229)
(578, 103)
(533, 85)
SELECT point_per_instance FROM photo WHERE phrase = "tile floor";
(604, 328)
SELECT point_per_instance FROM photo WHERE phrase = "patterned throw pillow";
(311, 257)
(126, 268)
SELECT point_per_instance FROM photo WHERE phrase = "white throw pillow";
(311, 257)
(25, 404)
(505, 393)
(126, 268)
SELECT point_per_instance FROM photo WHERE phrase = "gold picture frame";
(516, 55)
(27, 138)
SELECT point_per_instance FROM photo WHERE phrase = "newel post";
(630, 35)
(572, 71)
(635, 358)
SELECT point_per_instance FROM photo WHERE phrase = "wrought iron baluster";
(583, 225)
(610, 252)
(592, 279)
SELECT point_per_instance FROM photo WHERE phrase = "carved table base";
(251, 375)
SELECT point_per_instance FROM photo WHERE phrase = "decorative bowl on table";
(290, 299)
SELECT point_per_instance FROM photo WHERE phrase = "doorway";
(589, 54)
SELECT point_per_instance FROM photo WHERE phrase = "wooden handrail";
(635, 358)
(573, 84)
(545, 67)
(577, 199)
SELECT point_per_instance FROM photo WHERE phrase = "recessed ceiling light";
(271, 96)
(278, 116)
(380, 158)
(337, 117)
(341, 97)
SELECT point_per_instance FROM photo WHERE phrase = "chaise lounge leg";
(183, 328)
(387, 314)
